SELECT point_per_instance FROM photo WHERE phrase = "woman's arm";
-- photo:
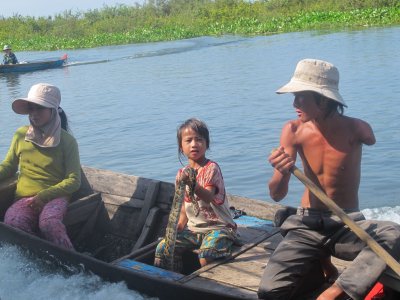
(9, 166)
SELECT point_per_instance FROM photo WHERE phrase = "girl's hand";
(185, 176)
(280, 160)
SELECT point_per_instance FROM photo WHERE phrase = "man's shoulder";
(361, 130)
(352, 123)
(293, 126)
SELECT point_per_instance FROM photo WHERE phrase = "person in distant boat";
(45, 156)
(330, 147)
(209, 226)
(9, 57)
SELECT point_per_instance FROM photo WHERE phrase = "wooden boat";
(35, 65)
(115, 222)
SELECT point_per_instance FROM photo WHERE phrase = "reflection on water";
(12, 82)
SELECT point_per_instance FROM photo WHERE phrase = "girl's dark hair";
(196, 125)
(64, 120)
(331, 107)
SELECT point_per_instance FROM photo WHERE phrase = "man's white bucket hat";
(317, 76)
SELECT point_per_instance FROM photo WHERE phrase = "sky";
(45, 8)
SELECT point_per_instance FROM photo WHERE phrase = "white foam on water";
(385, 213)
(25, 278)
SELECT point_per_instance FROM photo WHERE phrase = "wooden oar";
(364, 236)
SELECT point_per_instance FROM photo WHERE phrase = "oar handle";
(364, 236)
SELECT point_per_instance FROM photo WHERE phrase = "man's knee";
(264, 292)
(272, 288)
(394, 239)
(389, 232)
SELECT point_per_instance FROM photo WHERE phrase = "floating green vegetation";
(161, 20)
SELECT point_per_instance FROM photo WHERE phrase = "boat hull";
(115, 222)
(33, 65)
(163, 287)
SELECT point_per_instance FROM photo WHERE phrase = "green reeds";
(161, 20)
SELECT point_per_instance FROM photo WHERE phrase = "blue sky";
(37, 8)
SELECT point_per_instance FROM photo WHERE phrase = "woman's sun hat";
(317, 76)
(42, 94)
(6, 47)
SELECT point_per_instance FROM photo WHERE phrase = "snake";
(172, 227)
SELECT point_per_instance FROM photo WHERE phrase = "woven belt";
(303, 211)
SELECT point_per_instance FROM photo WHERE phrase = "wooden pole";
(364, 236)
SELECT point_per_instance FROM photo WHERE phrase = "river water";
(124, 104)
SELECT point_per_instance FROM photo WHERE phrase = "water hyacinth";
(178, 19)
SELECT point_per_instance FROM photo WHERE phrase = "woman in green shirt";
(46, 158)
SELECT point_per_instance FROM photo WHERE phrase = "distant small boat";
(35, 65)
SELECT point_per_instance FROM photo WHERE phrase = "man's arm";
(282, 159)
(366, 133)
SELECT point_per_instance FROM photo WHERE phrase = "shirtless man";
(330, 147)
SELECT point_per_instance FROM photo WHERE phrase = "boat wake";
(187, 45)
(79, 63)
(197, 45)
(35, 279)
(383, 213)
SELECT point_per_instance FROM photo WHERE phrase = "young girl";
(47, 160)
(210, 228)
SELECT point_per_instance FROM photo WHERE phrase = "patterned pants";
(214, 244)
(47, 223)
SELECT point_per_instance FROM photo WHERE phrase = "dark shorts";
(311, 235)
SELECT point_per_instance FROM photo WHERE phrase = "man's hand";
(280, 160)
